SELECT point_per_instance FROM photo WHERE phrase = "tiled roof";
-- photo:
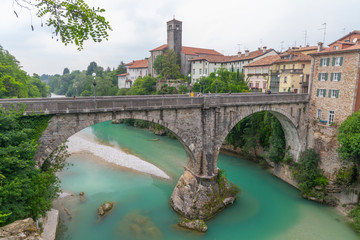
(123, 74)
(298, 57)
(235, 58)
(346, 36)
(138, 64)
(330, 51)
(190, 50)
(266, 61)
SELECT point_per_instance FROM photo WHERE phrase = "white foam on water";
(78, 143)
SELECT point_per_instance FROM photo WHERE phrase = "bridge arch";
(289, 123)
(62, 127)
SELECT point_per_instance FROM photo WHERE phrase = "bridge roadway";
(149, 102)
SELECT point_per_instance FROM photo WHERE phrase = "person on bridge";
(192, 94)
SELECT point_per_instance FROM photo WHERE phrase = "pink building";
(257, 73)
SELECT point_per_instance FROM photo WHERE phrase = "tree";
(349, 138)
(72, 21)
(168, 64)
(66, 71)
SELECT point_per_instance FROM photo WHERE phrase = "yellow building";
(290, 73)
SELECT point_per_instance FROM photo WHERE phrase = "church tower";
(174, 35)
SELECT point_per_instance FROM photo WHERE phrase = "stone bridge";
(200, 123)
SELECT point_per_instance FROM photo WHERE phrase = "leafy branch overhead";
(73, 21)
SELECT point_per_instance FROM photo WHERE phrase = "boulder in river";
(197, 225)
(21, 229)
(105, 209)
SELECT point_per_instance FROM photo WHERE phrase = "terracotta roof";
(266, 61)
(138, 64)
(190, 50)
(162, 47)
(123, 74)
(297, 57)
(199, 51)
(330, 51)
(235, 58)
(346, 36)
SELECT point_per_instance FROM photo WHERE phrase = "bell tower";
(174, 35)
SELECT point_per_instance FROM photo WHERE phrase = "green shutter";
(321, 62)
(341, 61)
(332, 76)
(329, 95)
(317, 92)
(326, 76)
(328, 62)
(333, 61)
(339, 76)
(319, 76)
(337, 93)
(324, 93)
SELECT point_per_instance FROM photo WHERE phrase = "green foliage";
(354, 214)
(349, 139)
(346, 176)
(71, 21)
(168, 65)
(80, 83)
(260, 129)
(165, 89)
(25, 190)
(143, 86)
(308, 175)
(15, 83)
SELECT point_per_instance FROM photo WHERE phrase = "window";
(205, 70)
(303, 66)
(200, 70)
(335, 77)
(331, 116)
(285, 79)
(250, 85)
(214, 70)
(337, 61)
(177, 27)
(170, 27)
(321, 92)
(333, 93)
(193, 70)
(324, 62)
(318, 114)
(336, 47)
(323, 76)
(284, 67)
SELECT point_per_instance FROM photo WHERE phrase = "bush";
(346, 176)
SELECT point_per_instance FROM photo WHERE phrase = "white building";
(135, 69)
(206, 64)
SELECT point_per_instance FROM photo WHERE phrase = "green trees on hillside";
(25, 190)
(168, 65)
(15, 83)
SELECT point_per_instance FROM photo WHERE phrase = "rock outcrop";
(105, 209)
(197, 225)
(198, 198)
(22, 229)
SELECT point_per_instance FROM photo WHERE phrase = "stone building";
(334, 95)
(134, 70)
(174, 42)
(257, 73)
(290, 73)
(206, 64)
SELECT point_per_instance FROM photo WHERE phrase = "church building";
(174, 42)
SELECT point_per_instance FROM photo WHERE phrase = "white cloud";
(139, 26)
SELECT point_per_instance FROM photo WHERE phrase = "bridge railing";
(120, 103)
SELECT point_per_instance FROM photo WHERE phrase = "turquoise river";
(267, 209)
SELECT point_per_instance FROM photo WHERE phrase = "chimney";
(264, 49)
(239, 54)
(320, 46)
(259, 49)
(246, 53)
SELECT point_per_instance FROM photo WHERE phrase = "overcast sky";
(140, 25)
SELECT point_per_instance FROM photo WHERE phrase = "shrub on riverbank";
(25, 190)
(307, 173)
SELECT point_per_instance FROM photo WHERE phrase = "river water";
(267, 209)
